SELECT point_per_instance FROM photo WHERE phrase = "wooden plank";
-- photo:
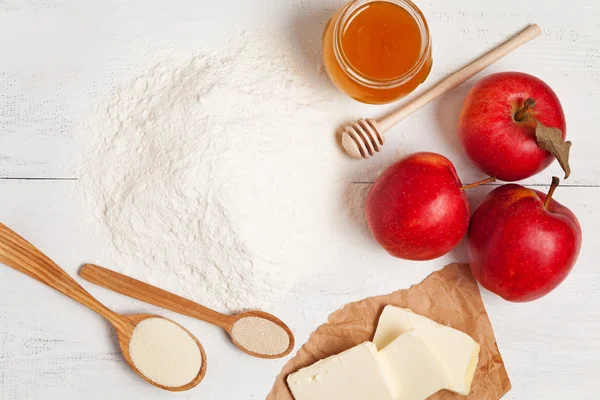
(58, 69)
(51, 347)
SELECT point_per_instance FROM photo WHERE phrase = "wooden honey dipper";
(364, 138)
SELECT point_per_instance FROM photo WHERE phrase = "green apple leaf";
(550, 139)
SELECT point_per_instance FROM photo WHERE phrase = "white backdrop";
(59, 57)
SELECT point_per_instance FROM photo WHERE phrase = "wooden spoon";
(161, 298)
(21, 255)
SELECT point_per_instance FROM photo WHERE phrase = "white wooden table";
(58, 57)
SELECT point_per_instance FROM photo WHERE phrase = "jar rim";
(346, 17)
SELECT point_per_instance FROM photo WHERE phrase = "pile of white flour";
(214, 176)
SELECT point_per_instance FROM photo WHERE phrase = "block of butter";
(456, 351)
(412, 372)
(354, 374)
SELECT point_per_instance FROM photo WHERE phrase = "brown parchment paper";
(449, 296)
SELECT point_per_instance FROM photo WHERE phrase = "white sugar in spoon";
(21, 255)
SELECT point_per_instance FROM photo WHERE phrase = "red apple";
(497, 131)
(521, 243)
(417, 208)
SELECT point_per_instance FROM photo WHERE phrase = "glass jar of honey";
(377, 51)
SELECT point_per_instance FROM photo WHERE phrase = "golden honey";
(377, 51)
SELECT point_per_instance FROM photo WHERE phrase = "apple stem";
(553, 186)
(472, 185)
(528, 105)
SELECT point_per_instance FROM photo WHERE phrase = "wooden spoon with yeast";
(21, 255)
(151, 294)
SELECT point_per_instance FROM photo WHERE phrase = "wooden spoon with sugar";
(21, 255)
(257, 333)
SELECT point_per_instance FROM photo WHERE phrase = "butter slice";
(351, 375)
(456, 351)
(410, 369)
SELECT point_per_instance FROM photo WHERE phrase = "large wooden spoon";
(21, 255)
(151, 294)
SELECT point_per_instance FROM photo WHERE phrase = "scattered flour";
(215, 176)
